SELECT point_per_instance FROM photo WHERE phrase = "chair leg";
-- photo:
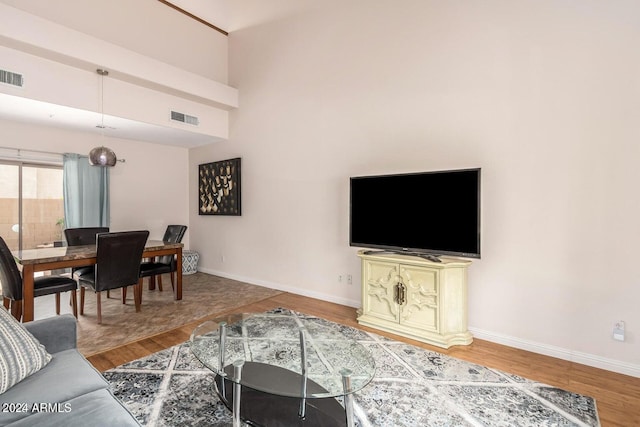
(7, 302)
(124, 295)
(160, 282)
(16, 309)
(173, 278)
(108, 293)
(99, 307)
(58, 303)
(137, 294)
(152, 283)
(74, 303)
(82, 301)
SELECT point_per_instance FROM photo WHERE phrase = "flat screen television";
(427, 213)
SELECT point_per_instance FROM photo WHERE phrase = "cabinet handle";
(401, 293)
(396, 293)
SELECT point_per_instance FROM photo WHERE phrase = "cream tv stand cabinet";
(416, 298)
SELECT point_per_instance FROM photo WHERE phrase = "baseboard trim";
(559, 352)
(532, 346)
(280, 287)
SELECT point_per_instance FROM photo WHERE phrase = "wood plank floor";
(617, 396)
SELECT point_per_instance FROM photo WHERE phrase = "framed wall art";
(219, 188)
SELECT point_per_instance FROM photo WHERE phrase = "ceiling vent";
(176, 116)
(13, 79)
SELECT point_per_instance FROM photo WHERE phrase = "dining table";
(45, 259)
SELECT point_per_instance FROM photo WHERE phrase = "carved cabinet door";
(379, 290)
(420, 309)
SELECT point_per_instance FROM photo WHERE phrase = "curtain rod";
(52, 153)
(13, 154)
(31, 151)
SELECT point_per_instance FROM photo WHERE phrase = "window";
(31, 205)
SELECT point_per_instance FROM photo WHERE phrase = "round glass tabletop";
(283, 355)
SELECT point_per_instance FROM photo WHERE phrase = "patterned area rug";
(412, 387)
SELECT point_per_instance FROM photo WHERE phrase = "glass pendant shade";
(102, 156)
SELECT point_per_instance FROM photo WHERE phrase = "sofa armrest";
(56, 333)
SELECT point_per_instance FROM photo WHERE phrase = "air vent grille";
(13, 79)
(184, 118)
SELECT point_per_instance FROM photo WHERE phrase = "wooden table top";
(69, 253)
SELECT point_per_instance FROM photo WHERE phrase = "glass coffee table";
(280, 370)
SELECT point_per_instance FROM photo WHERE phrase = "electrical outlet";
(618, 331)
(349, 279)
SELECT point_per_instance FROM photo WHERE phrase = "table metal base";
(268, 410)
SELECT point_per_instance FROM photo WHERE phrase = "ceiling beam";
(192, 16)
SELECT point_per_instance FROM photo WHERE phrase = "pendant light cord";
(102, 156)
(102, 74)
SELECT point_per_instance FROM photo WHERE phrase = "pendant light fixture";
(102, 156)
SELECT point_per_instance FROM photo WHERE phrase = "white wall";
(543, 95)
(148, 191)
(147, 27)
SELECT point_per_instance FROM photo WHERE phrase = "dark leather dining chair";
(82, 236)
(44, 285)
(118, 258)
(164, 264)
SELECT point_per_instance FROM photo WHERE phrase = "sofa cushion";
(67, 376)
(98, 408)
(22, 354)
(55, 333)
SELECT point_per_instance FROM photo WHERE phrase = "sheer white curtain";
(86, 192)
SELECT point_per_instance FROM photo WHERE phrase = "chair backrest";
(9, 274)
(83, 235)
(118, 259)
(173, 234)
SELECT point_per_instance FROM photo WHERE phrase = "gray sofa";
(68, 391)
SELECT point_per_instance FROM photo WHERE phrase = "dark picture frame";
(219, 188)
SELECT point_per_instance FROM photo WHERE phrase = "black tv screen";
(436, 213)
